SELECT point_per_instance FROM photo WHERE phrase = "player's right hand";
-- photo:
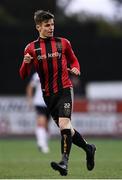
(27, 58)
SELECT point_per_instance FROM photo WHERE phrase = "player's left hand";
(74, 71)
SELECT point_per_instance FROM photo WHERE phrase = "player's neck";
(43, 37)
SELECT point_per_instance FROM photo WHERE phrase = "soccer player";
(50, 57)
(35, 98)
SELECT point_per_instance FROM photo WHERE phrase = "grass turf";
(21, 159)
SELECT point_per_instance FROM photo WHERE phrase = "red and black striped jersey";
(51, 57)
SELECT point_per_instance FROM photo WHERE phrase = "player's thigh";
(65, 104)
(51, 102)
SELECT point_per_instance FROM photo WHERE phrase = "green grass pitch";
(20, 158)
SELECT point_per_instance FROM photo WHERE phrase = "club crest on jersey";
(59, 46)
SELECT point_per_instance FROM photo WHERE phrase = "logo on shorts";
(67, 109)
(66, 105)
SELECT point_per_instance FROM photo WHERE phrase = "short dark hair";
(41, 15)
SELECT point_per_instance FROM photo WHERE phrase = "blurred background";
(95, 31)
(94, 28)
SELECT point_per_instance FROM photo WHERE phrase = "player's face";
(46, 28)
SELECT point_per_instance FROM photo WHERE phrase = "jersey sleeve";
(72, 59)
(26, 68)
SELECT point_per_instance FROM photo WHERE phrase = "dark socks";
(78, 140)
(66, 142)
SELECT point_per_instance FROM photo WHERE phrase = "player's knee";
(64, 123)
(72, 130)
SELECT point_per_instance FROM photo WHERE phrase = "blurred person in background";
(50, 56)
(35, 98)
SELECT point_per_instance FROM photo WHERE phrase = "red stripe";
(45, 67)
(55, 67)
(65, 76)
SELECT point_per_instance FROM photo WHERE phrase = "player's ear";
(37, 27)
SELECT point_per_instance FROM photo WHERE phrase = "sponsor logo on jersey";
(49, 55)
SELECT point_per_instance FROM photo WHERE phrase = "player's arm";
(27, 63)
(72, 59)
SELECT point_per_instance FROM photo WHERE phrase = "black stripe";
(59, 63)
(40, 70)
(50, 64)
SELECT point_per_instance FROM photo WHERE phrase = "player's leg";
(41, 130)
(64, 114)
(79, 141)
(66, 142)
(90, 149)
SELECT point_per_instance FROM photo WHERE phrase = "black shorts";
(42, 110)
(60, 104)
